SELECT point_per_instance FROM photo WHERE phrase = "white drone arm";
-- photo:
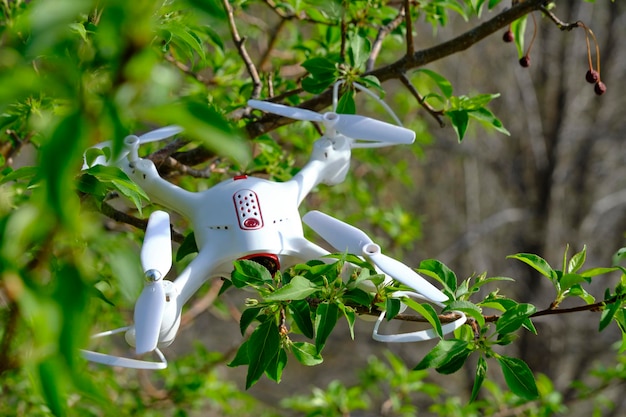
(329, 164)
(144, 173)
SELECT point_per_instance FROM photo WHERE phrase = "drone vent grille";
(248, 210)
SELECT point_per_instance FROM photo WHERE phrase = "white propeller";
(156, 260)
(350, 125)
(343, 236)
(132, 142)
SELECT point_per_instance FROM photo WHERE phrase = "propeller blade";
(365, 128)
(407, 276)
(343, 236)
(340, 235)
(160, 134)
(156, 252)
(148, 316)
(156, 260)
(286, 111)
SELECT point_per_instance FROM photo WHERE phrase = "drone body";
(250, 218)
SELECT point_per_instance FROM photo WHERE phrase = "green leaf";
(577, 290)
(92, 154)
(536, 262)
(301, 314)
(486, 116)
(187, 38)
(518, 27)
(392, 308)
(444, 352)
(326, 317)
(455, 363)
(26, 172)
(350, 315)
(577, 261)
(519, 378)
(241, 357)
(57, 161)
(371, 81)
(276, 366)
(359, 48)
(89, 184)
(441, 272)
(71, 293)
(212, 8)
(358, 296)
(298, 288)
(608, 313)
(317, 85)
(346, 104)
(50, 373)
(320, 67)
(513, 318)
(460, 120)
(214, 36)
(263, 346)
(593, 272)
(481, 372)
(482, 281)
(120, 181)
(187, 247)
(306, 353)
(444, 85)
(247, 272)
(427, 311)
(247, 317)
(569, 280)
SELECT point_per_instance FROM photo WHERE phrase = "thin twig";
(243, 52)
(187, 70)
(559, 23)
(410, 47)
(182, 169)
(344, 30)
(264, 61)
(168, 150)
(121, 217)
(436, 114)
(380, 37)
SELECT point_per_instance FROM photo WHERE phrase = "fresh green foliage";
(461, 109)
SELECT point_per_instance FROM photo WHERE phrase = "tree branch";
(239, 44)
(406, 63)
(410, 48)
(436, 114)
(121, 217)
(380, 37)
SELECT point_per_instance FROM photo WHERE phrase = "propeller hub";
(152, 275)
(330, 116)
(371, 249)
(131, 140)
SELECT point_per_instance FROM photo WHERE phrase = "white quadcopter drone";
(256, 219)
